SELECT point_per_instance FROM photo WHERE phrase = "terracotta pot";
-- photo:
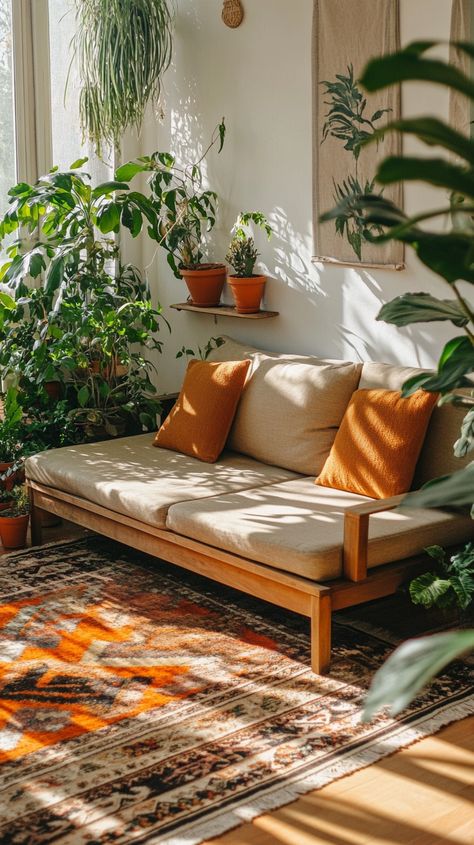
(13, 531)
(205, 284)
(247, 293)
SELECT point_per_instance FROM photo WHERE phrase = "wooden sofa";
(255, 520)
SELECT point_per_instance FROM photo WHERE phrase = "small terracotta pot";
(247, 293)
(13, 530)
(205, 284)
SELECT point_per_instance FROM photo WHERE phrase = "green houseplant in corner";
(186, 214)
(247, 287)
(90, 323)
(448, 252)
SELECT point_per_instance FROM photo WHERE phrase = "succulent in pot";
(185, 215)
(14, 520)
(247, 287)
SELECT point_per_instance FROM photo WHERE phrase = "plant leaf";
(422, 308)
(452, 491)
(411, 666)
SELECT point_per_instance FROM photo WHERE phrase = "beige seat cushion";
(133, 477)
(297, 526)
(290, 408)
(437, 456)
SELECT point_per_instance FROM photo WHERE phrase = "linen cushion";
(437, 455)
(298, 527)
(377, 446)
(200, 420)
(131, 477)
(290, 408)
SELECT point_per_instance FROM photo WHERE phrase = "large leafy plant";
(185, 211)
(450, 584)
(449, 253)
(70, 311)
(123, 47)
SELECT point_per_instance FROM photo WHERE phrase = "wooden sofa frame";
(293, 592)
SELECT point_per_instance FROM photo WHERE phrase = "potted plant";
(247, 287)
(12, 432)
(186, 214)
(87, 325)
(14, 520)
(449, 585)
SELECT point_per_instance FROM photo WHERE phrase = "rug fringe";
(274, 800)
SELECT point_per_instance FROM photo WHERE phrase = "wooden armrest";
(356, 535)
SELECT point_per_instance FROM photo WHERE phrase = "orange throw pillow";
(378, 443)
(200, 421)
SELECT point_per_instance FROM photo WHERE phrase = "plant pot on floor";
(247, 293)
(205, 284)
(13, 530)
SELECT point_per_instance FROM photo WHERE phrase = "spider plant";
(123, 47)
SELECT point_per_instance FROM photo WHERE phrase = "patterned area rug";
(140, 704)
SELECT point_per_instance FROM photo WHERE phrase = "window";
(7, 109)
(67, 144)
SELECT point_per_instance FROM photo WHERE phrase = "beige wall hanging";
(232, 13)
(345, 36)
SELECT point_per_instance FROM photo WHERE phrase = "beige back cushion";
(437, 457)
(291, 406)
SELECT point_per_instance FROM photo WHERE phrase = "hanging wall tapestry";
(346, 34)
(462, 29)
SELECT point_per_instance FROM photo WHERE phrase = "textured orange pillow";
(378, 443)
(200, 421)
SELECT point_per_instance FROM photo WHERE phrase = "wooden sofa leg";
(321, 633)
(35, 521)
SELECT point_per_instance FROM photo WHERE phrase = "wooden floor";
(423, 795)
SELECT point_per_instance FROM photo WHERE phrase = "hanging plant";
(123, 47)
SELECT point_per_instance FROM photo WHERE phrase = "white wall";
(259, 77)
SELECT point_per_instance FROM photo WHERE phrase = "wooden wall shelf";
(224, 311)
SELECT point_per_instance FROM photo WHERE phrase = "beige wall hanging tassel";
(232, 13)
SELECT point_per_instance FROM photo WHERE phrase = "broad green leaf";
(76, 165)
(107, 188)
(428, 588)
(411, 667)
(83, 396)
(435, 171)
(465, 443)
(7, 302)
(432, 132)
(453, 491)
(108, 217)
(408, 65)
(127, 171)
(422, 308)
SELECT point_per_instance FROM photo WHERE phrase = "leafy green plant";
(347, 121)
(184, 212)
(203, 352)
(123, 48)
(89, 317)
(449, 253)
(242, 254)
(12, 428)
(20, 502)
(450, 583)
(411, 666)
